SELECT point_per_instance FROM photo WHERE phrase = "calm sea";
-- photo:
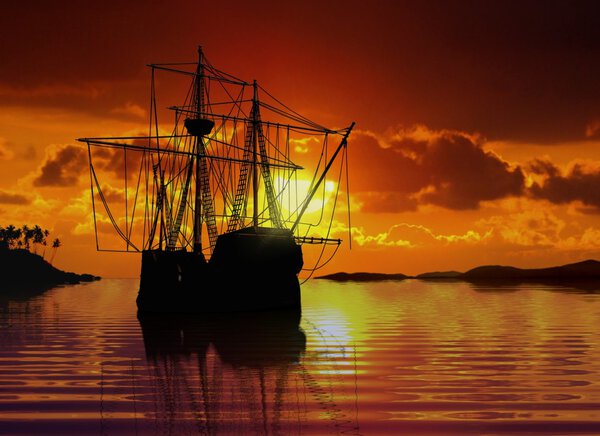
(401, 358)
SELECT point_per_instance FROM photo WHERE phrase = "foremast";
(199, 127)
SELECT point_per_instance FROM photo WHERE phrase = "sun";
(293, 192)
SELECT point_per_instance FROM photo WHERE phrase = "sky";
(477, 137)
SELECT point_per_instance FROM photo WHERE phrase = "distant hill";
(362, 277)
(440, 275)
(579, 271)
(21, 269)
(585, 270)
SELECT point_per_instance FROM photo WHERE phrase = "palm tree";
(38, 237)
(12, 235)
(27, 236)
(3, 240)
(55, 245)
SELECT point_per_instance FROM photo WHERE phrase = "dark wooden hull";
(248, 271)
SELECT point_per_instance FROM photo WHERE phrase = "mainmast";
(198, 191)
(255, 156)
(199, 127)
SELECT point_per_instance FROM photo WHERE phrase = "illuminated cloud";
(419, 166)
(62, 167)
(535, 227)
(580, 183)
(588, 240)
(304, 145)
(114, 195)
(7, 197)
(415, 235)
(78, 206)
(86, 226)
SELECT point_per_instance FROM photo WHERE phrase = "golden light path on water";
(408, 357)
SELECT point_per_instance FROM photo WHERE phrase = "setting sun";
(294, 191)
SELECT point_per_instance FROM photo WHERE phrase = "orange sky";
(478, 123)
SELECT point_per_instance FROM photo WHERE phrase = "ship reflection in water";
(237, 374)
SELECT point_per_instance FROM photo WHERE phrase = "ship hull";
(249, 270)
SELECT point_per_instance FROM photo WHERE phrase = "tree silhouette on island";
(21, 265)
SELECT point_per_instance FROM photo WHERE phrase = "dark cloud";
(543, 167)
(525, 70)
(376, 168)
(112, 195)
(463, 174)
(447, 169)
(112, 160)
(13, 198)
(386, 202)
(580, 183)
(63, 167)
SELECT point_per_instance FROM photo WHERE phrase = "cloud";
(304, 145)
(385, 202)
(535, 227)
(420, 166)
(112, 160)
(113, 195)
(7, 197)
(130, 109)
(415, 235)
(589, 239)
(463, 174)
(592, 129)
(5, 152)
(62, 167)
(580, 183)
(8, 151)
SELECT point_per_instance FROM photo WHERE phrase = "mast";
(198, 189)
(254, 156)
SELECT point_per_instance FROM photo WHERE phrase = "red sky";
(478, 123)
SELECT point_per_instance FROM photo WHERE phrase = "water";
(396, 358)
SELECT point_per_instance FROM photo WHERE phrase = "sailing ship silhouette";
(219, 232)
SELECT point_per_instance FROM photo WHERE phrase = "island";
(587, 270)
(22, 268)
(362, 277)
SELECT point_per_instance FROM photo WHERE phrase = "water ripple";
(381, 358)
